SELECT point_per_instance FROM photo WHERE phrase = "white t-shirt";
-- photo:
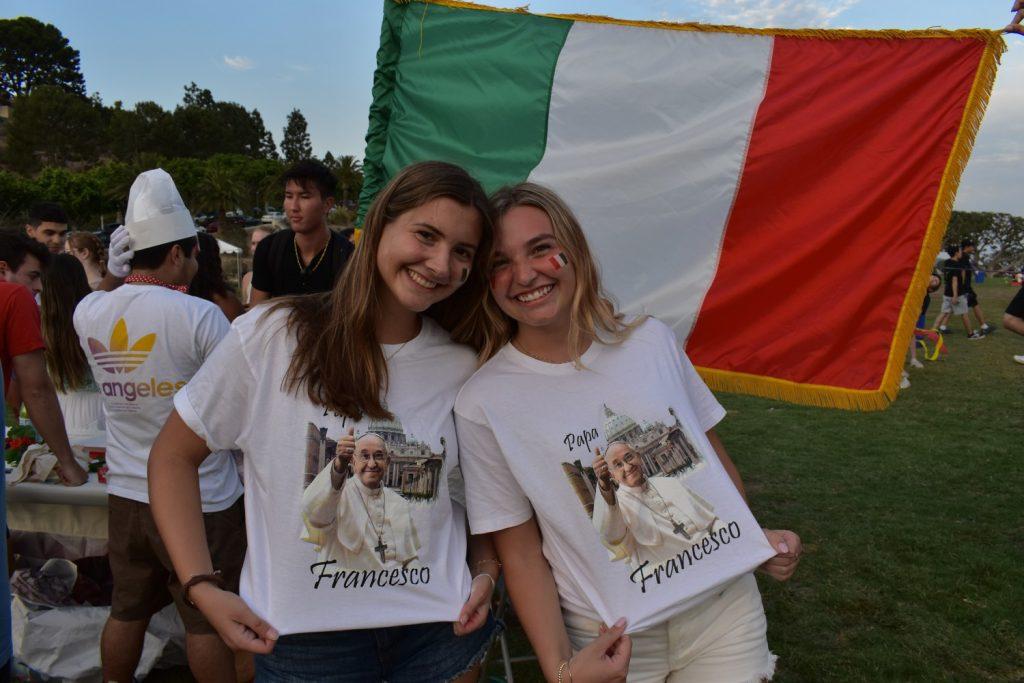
(678, 528)
(328, 552)
(143, 343)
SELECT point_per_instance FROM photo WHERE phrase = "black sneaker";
(987, 329)
(944, 330)
(975, 335)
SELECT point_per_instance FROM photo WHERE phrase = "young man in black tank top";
(309, 257)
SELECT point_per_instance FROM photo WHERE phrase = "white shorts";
(959, 309)
(721, 640)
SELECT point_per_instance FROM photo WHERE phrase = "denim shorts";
(420, 652)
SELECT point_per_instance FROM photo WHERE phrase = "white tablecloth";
(79, 511)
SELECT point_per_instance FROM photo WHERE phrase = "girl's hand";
(606, 658)
(474, 612)
(787, 545)
(238, 626)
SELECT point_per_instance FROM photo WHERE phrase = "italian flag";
(777, 196)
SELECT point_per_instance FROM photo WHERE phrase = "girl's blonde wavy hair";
(593, 315)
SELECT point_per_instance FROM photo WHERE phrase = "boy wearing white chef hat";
(144, 341)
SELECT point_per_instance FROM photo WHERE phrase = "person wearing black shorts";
(967, 248)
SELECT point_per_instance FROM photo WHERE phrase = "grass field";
(913, 566)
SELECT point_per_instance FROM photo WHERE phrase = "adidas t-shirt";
(675, 528)
(143, 343)
(378, 545)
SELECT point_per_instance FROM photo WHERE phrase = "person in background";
(144, 341)
(1013, 319)
(48, 225)
(81, 403)
(967, 248)
(308, 258)
(209, 281)
(88, 249)
(21, 355)
(954, 302)
(22, 261)
(256, 235)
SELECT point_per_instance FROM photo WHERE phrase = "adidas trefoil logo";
(119, 358)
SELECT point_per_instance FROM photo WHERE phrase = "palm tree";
(350, 175)
(220, 189)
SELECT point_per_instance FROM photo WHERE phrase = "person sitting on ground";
(48, 225)
(64, 285)
(256, 235)
(209, 281)
(88, 249)
(308, 258)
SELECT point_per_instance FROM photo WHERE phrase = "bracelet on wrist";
(214, 578)
(564, 668)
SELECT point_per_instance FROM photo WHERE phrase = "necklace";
(391, 357)
(149, 280)
(306, 270)
(381, 546)
(677, 527)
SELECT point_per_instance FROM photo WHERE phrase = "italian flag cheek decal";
(735, 183)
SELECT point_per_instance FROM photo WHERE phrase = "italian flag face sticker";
(559, 261)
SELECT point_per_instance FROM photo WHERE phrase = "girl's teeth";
(534, 295)
(420, 280)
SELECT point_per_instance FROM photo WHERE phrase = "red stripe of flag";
(842, 173)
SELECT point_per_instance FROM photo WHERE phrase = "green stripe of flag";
(466, 86)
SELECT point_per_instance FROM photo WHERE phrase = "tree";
(295, 144)
(52, 127)
(33, 54)
(999, 237)
(220, 188)
(266, 149)
(350, 177)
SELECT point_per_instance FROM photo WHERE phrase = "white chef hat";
(156, 213)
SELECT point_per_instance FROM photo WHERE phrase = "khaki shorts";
(721, 640)
(959, 309)
(144, 578)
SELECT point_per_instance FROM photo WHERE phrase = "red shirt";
(20, 330)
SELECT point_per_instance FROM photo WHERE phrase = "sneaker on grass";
(1019, 359)
(987, 329)
(915, 363)
(944, 330)
(975, 335)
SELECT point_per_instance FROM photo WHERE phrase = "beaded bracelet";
(564, 666)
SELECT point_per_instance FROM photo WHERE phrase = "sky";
(319, 56)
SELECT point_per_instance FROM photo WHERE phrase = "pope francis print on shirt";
(355, 509)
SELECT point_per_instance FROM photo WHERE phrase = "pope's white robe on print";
(640, 526)
(336, 522)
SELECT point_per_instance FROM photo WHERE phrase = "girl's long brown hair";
(338, 361)
(91, 243)
(64, 285)
(593, 315)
